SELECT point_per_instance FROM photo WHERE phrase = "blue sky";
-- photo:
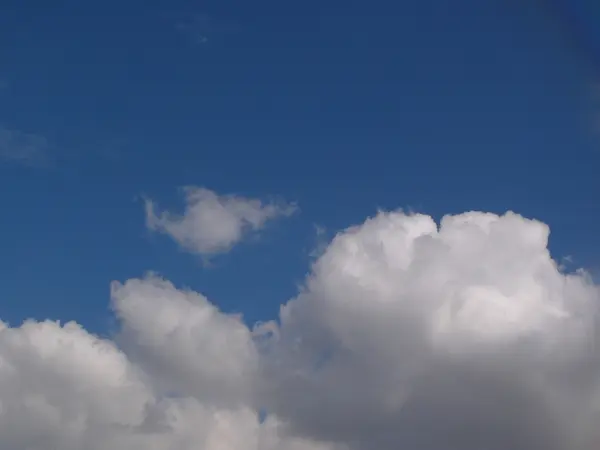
(339, 106)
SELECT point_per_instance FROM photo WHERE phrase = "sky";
(173, 173)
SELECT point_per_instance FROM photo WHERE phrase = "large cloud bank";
(406, 335)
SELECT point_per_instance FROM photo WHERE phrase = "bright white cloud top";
(407, 335)
(213, 223)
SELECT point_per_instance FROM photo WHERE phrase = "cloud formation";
(23, 148)
(213, 223)
(407, 334)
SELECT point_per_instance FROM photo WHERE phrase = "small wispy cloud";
(23, 148)
(212, 223)
(321, 241)
(200, 28)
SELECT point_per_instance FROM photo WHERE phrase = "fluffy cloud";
(185, 341)
(464, 336)
(62, 388)
(407, 334)
(213, 223)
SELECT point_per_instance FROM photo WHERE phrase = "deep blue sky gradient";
(344, 107)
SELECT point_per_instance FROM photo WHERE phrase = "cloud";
(407, 334)
(213, 223)
(23, 148)
(189, 344)
(320, 243)
(61, 387)
(35, 151)
(200, 28)
(466, 336)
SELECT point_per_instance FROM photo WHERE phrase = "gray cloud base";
(406, 334)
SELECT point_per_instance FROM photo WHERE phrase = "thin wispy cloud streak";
(202, 28)
(24, 148)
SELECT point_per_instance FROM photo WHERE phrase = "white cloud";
(61, 387)
(213, 223)
(406, 335)
(463, 336)
(188, 343)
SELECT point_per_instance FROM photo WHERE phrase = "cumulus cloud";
(188, 344)
(407, 334)
(61, 387)
(464, 336)
(213, 223)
